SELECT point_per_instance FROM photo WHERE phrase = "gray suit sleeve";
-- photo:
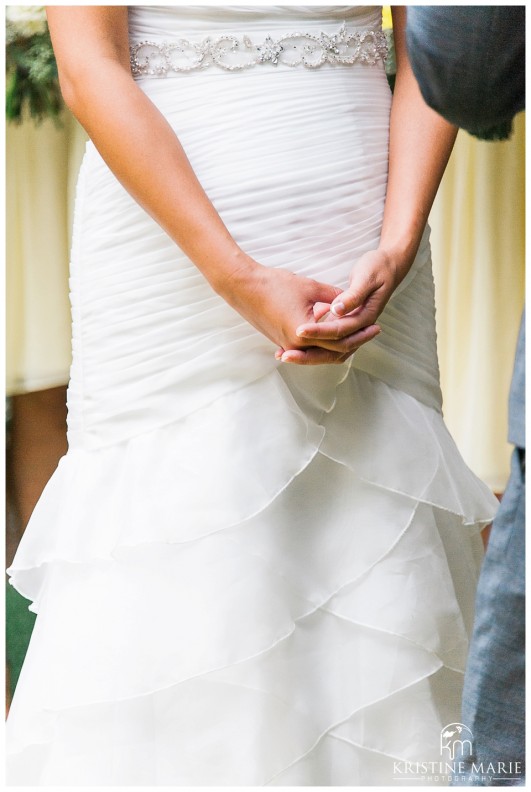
(469, 61)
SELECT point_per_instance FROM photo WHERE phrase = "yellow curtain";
(41, 169)
(478, 225)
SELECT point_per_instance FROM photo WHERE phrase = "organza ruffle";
(279, 624)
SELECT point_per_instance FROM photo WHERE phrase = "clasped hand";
(291, 310)
(342, 321)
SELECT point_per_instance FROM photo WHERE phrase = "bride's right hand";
(104, 98)
(276, 302)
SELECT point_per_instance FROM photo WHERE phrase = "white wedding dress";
(246, 572)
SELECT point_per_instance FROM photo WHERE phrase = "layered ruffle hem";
(209, 615)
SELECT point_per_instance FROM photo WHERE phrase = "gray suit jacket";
(469, 61)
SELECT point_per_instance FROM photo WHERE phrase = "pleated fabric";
(245, 572)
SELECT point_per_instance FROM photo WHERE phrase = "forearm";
(142, 150)
(144, 153)
(420, 144)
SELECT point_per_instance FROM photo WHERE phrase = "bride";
(252, 567)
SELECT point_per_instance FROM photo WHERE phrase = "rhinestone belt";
(234, 54)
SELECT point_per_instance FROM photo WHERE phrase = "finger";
(320, 309)
(332, 328)
(352, 298)
(327, 293)
(327, 352)
(349, 343)
(312, 356)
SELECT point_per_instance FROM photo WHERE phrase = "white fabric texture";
(245, 572)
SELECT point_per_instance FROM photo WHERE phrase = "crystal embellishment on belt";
(233, 54)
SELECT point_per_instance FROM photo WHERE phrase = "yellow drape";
(478, 225)
(41, 169)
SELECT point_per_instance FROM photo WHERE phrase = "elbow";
(68, 91)
(70, 83)
(81, 84)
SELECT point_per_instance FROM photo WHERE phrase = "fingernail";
(286, 357)
(278, 354)
(299, 331)
(337, 308)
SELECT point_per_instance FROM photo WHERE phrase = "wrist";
(218, 257)
(399, 257)
(235, 276)
(400, 239)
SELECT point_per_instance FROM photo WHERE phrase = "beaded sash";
(231, 53)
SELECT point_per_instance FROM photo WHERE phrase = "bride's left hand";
(372, 282)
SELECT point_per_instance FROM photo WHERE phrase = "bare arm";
(142, 150)
(420, 144)
(132, 136)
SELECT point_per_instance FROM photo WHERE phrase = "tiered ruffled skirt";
(246, 572)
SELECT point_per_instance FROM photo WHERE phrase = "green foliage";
(390, 61)
(32, 83)
(19, 626)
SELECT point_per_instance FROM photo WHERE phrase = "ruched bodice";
(246, 572)
(313, 145)
(159, 22)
